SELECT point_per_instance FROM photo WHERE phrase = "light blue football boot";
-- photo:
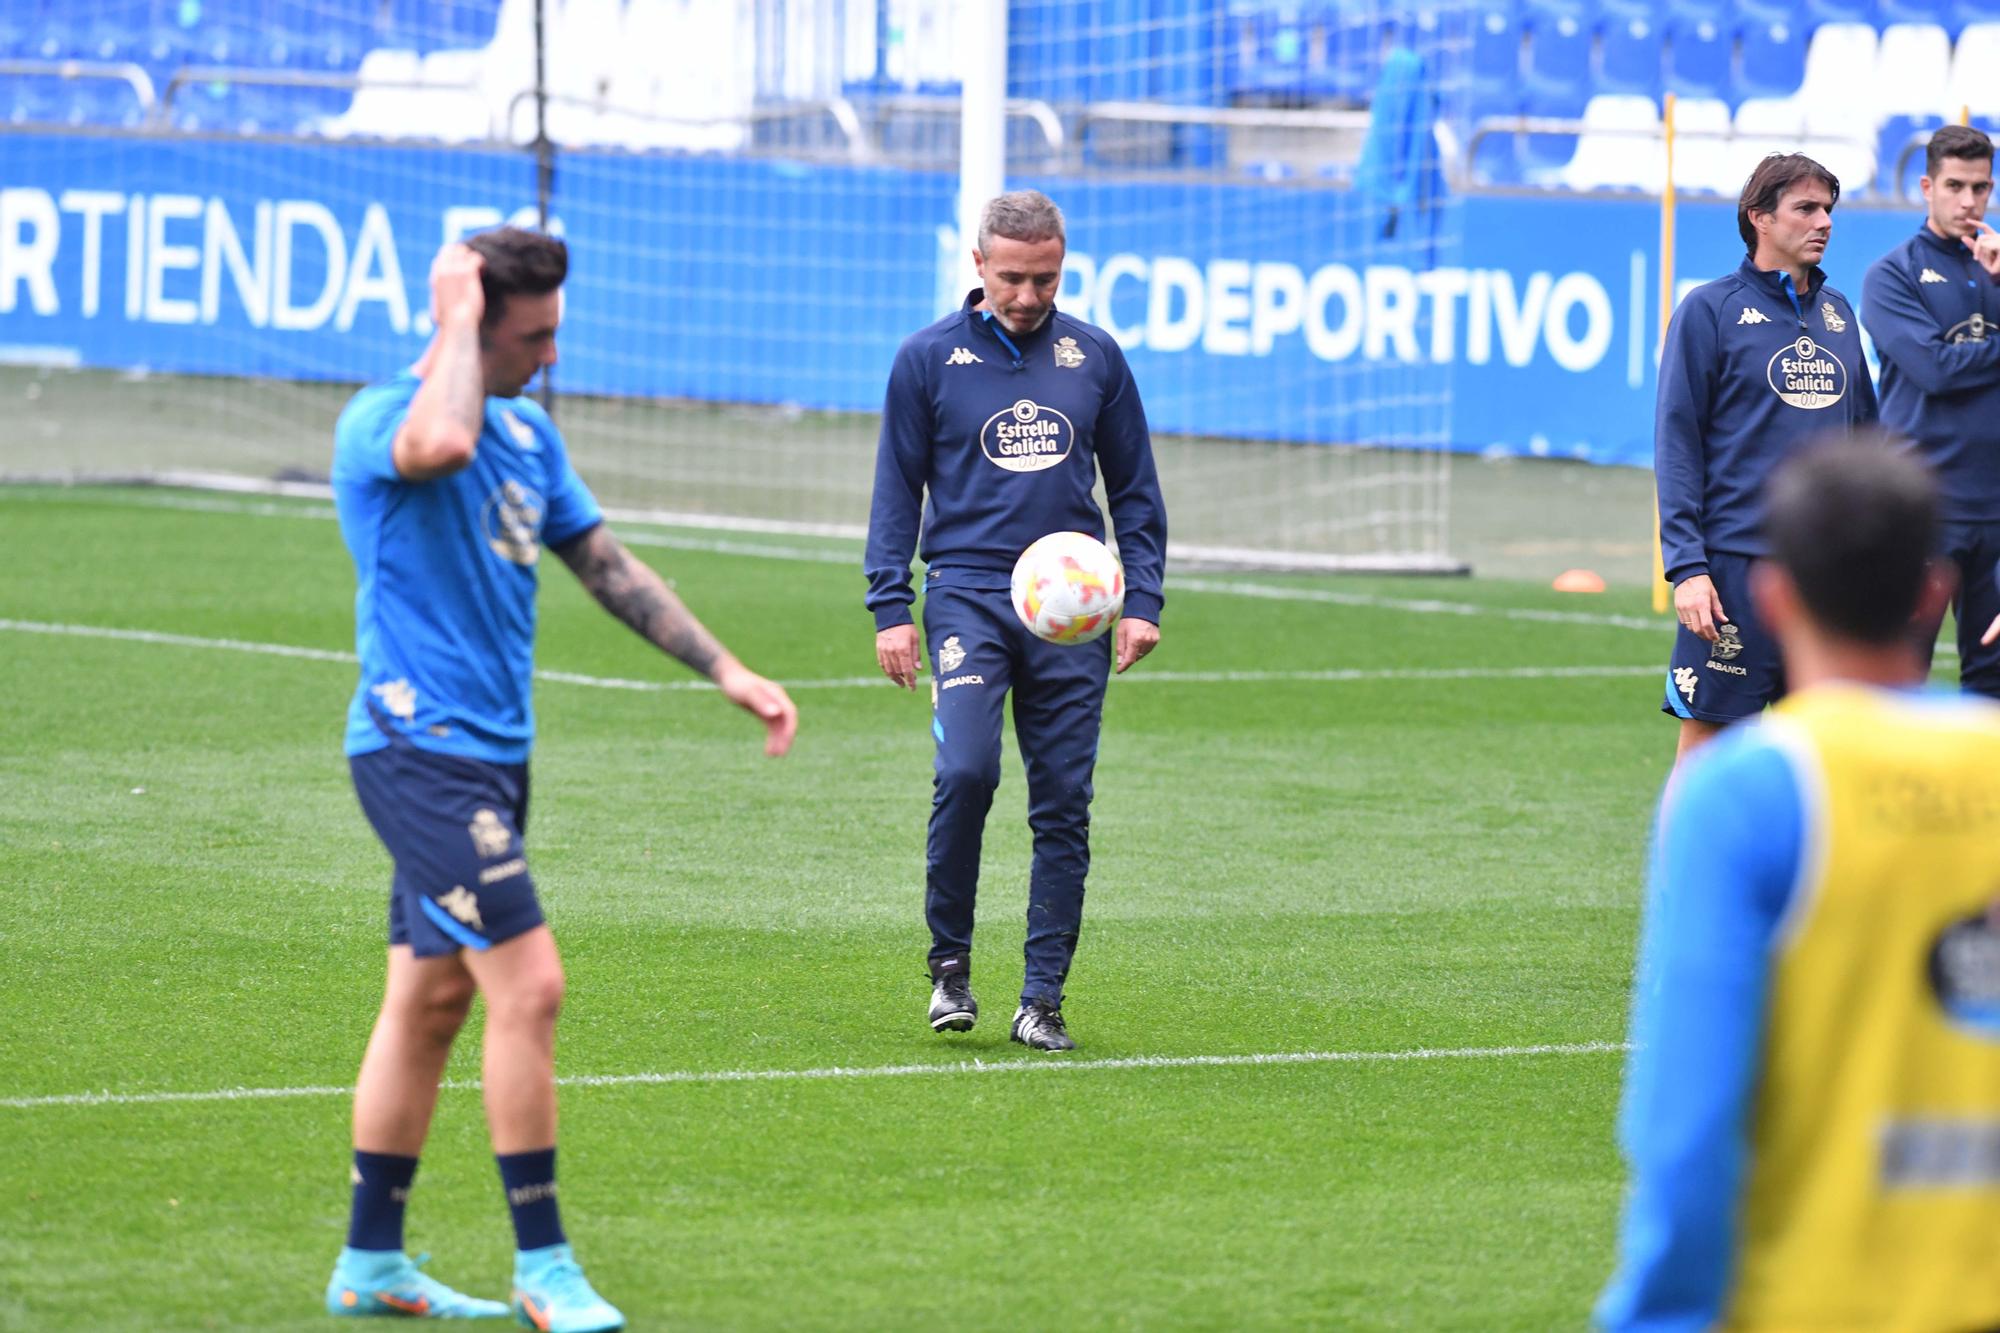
(388, 1283)
(552, 1295)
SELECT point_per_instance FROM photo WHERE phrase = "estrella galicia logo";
(1728, 643)
(1806, 375)
(1027, 437)
(1968, 330)
(1965, 974)
(512, 519)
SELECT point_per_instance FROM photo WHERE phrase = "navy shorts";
(453, 827)
(1739, 674)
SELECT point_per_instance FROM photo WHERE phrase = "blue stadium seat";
(1496, 158)
(1543, 156)
(105, 102)
(1612, 11)
(33, 100)
(1762, 13)
(1630, 55)
(1496, 56)
(1274, 50)
(1893, 139)
(1345, 56)
(1539, 13)
(1698, 59)
(1889, 12)
(1965, 12)
(1817, 12)
(1772, 61)
(1558, 62)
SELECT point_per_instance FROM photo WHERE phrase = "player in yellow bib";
(1812, 1109)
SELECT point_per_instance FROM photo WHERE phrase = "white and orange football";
(1068, 588)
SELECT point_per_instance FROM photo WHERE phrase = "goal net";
(225, 222)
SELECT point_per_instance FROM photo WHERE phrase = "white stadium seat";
(1975, 72)
(1620, 146)
(1912, 66)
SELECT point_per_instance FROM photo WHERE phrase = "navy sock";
(530, 1180)
(381, 1192)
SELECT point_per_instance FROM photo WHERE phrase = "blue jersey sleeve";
(1686, 396)
(364, 438)
(1132, 488)
(1725, 860)
(902, 464)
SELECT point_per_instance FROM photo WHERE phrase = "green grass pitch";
(1437, 851)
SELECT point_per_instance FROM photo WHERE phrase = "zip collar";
(986, 320)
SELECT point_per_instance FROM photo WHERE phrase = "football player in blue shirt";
(448, 484)
(1755, 364)
(1933, 309)
(957, 389)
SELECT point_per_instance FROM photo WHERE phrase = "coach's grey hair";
(1021, 215)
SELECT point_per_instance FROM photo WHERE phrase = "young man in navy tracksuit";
(1933, 309)
(958, 393)
(1756, 364)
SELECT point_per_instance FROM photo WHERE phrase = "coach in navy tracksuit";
(1756, 364)
(958, 393)
(1933, 308)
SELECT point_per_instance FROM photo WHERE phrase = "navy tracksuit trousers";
(980, 652)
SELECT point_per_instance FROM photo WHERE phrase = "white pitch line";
(1026, 1065)
(1330, 675)
(1178, 584)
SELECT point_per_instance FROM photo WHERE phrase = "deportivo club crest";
(513, 522)
(1834, 323)
(490, 837)
(1068, 355)
(1728, 643)
(951, 655)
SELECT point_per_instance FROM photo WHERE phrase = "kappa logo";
(1930, 275)
(951, 654)
(1068, 355)
(523, 433)
(489, 836)
(463, 905)
(962, 356)
(1685, 680)
(1752, 315)
(1834, 323)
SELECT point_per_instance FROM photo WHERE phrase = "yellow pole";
(1663, 595)
(1965, 113)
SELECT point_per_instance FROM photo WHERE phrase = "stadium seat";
(1698, 59)
(1702, 162)
(1764, 13)
(1495, 158)
(1817, 12)
(1614, 11)
(1630, 54)
(1496, 55)
(1972, 83)
(1557, 69)
(1888, 13)
(1771, 61)
(1838, 91)
(1543, 156)
(1539, 13)
(1912, 67)
(1965, 13)
(1345, 57)
(1620, 147)
(33, 100)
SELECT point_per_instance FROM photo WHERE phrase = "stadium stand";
(1856, 82)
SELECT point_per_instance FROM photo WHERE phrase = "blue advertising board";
(1500, 324)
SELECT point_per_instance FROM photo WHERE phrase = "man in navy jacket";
(1756, 364)
(1009, 356)
(1933, 308)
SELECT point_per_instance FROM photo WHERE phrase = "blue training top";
(1008, 435)
(1752, 370)
(1935, 317)
(444, 615)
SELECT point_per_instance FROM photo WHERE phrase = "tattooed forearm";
(629, 589)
